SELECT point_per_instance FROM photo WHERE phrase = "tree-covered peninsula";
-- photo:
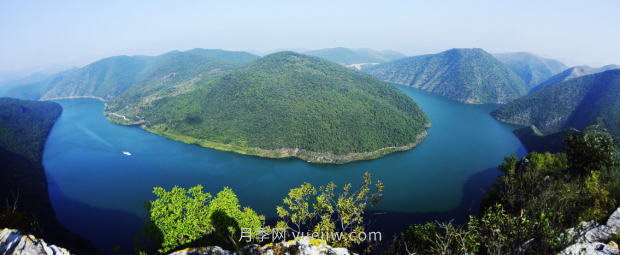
(292, 105)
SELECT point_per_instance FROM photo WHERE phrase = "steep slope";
(346, 56)
(571, 73)
(292, 105)
(465, 75)
(24, 127)
(170, 75)
(34, 91)
(532, 69)
(571, 104)
(104, 79)
(111, 77)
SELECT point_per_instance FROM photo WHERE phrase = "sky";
(64, 33)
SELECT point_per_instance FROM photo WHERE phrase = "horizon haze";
(41, 35)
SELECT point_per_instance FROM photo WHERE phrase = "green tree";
(590, 152)
(332, 212)
(179, 218)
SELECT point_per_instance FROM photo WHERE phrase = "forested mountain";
(466, 75)
(570, 104)
(170, 75)
(288, 104)
(532, 69)
(105, 78)
(111, 77)
(24, 127)
(34, 91)
(346, 56)
(571, 73)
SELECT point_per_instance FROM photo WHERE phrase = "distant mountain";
(111, 77)
(346, 56)
(292, 105)
(24, 127)
(104, 79)
(532, 69)
(385, 56)
(574, 103)
(34, 91)
(236, 57)
(9, 83)
(466, 75)
(571, 73)
(265, 53)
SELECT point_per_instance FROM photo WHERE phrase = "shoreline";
(308, 156)
(73, 97)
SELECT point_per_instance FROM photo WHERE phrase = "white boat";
(127, 153)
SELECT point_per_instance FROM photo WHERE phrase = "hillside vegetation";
(571, 104)
(571, 73)
(289, 104)
(465, 75)
(532, 69)
(34, 91)
(111, 77)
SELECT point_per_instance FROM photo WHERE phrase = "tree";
(332, 212)
(589, 152)
(180, 218)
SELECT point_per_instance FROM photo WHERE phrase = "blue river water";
(98, 192)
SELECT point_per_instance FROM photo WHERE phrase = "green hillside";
(288, 104)
(346, 56)
(24, 127)
(571, 104)
(465, 75)
(532, 69)
(172, 74)
(571, 73)
(34, 91)
(104, 79)
(111, 77)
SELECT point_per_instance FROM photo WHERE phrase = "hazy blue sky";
(65, 33)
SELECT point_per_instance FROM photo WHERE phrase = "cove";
(98, 192)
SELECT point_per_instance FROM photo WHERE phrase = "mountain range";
(532, 69)
(571, 73)
(465, 75)
(346, 56)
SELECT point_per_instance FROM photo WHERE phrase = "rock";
(592, 232)
(15, 243)
(595, 248)
(614, 221)
(301, 245)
